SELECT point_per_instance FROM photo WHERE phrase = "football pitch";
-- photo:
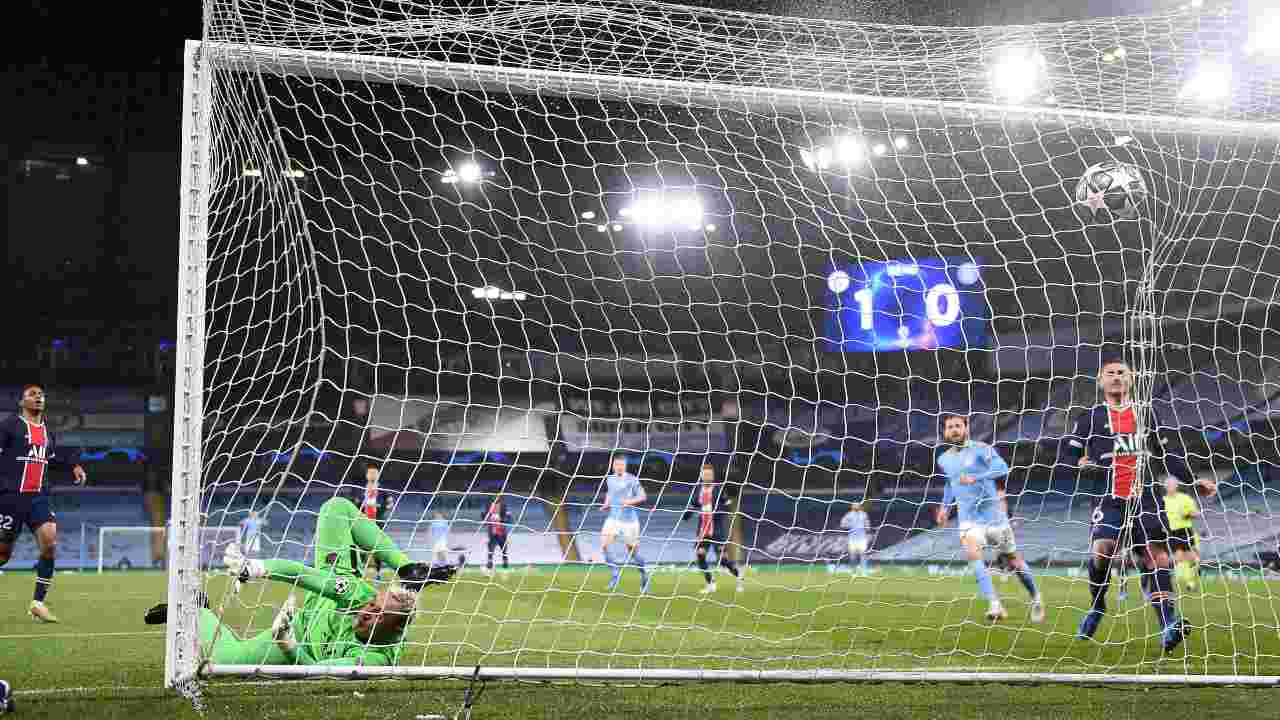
(103, 662)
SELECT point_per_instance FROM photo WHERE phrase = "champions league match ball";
(1111, 190)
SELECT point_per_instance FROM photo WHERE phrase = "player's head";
(955, 428)
(1115, 378)
(372, 473)
(855, 507)
(618, 464)
(32, 398)
(708, 473)
(1171, 485)
(383, 619)
(253, 514)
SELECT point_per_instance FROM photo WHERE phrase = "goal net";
(482, 249)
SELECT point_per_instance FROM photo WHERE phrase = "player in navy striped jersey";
(27, 452)
(1110, 445)
(710, 534)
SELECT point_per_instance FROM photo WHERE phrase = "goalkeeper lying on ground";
(344, 619)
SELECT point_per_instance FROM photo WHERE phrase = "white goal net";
(472, 253)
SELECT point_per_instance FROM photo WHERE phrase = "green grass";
(102, 662)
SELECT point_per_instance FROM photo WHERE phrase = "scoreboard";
(920, 304)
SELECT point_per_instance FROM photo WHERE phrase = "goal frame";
(102, 536)
(183, 664)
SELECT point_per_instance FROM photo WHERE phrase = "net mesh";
(484, 247)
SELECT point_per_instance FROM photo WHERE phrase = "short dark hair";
(372, 466)
(1114, 360)
(23, 393)
(959, 416)
(708, 466)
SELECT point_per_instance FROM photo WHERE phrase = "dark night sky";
(95, 80)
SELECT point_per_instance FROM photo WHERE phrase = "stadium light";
(1018, 75)
(588, 215)
(489, 292)
(617, 227)
(851, 151)
(1210, 84)
(1264, 40)
(901, 142)
(711, 227)
(82, 161)
(601, 228)
(880, 149)
(656, 210)
(468, 172)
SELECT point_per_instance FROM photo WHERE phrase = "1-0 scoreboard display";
(921, 304)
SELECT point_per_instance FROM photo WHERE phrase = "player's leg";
(45, 528)
(1022, 571)
(972, 540)
(1107, 522)
(1151, 548)
(506, 559)
(729, 564)
(607, 536)
(700, 551)
(225, 648)
(10, 526)
(341, 527)
(489, 548)
(631, 536)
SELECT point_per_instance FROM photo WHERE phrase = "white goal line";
(645, 90)
(737, 676)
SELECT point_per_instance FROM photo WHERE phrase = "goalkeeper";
(344, 619)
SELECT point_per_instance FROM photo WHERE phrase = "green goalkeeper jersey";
(324, 625)
(1180, 508)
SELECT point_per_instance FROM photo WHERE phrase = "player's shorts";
(708, 544)
(498, 542)
(19, 509)
(254, 546)
(1182, 540)
(857, 547)
(999, 537)
(441, 547)
(1145, 526)
(626, 530)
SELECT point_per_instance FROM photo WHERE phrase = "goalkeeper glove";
(282, 627)
(414, 576)
(240, 567)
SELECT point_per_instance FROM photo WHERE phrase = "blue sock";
(862, 562)
(639, 561)
(44, 578)
(608, 559)
(984, 579)
(1028, 582)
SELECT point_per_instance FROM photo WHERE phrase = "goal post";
(485, 251)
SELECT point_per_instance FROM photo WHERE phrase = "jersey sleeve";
(348, 591)
(948, 497)
(996, 465)
(1077, 442)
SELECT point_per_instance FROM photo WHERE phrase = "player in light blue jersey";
(855, 521)
(251, 535)
(440, 537)
(972, 469)
(623, 493)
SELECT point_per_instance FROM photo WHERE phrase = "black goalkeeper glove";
(415, 576)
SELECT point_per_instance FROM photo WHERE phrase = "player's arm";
(996, 466)
(637, 496)
(1076, 450)
(55, 462)
(948, 499)
(347, 591)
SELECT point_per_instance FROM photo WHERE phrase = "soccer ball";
(1111, 188)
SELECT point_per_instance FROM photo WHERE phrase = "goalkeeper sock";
(44, 578)
(706, 572)
(984, 579)
(1162, 596)
(1099, 581)
(1028, 581)
(1184, 573)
